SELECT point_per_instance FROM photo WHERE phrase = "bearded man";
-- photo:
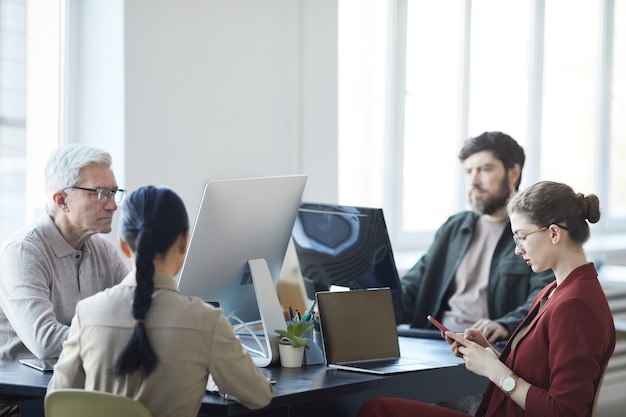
(470, 276)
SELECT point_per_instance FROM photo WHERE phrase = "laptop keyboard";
(381, 363)
(404, 330)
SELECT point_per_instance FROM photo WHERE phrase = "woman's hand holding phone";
(437, 324)
(443, 329)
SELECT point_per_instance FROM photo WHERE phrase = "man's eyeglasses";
(104, 194)
(519, 239)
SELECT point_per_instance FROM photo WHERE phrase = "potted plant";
(292, 343)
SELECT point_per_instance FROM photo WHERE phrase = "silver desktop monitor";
(236, 253)
(345, 246)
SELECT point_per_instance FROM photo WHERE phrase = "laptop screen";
(346, 246)
(358, 325)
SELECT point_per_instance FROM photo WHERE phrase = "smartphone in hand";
(437, 324)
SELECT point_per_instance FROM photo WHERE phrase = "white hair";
(64, 165)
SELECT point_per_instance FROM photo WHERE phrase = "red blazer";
(563, 352)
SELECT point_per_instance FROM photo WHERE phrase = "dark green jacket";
(512, 284)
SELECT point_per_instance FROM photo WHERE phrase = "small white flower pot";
(290, 356)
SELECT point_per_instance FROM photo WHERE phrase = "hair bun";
(590, 207)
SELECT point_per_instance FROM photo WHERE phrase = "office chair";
(595, 398)
(81, 403)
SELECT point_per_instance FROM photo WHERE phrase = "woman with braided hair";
(143, 338)
(554, 361)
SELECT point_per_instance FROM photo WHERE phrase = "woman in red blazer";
(552, 364)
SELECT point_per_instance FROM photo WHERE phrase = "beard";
(490, 203)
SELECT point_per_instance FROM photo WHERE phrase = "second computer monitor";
(345, 246)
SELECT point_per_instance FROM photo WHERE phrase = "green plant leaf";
(283, 333)
(295, 331)
(300, 341)
(300, 328)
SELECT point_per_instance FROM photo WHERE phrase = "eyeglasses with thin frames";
(519, 239)
(104, 194)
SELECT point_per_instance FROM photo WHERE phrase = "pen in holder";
(313, 354)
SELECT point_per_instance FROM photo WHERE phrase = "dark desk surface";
(314, 389)
(20, 380)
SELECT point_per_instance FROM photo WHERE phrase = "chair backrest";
(595, 398)
(81, 403)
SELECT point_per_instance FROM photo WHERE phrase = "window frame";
(406, 240)
(42, 123)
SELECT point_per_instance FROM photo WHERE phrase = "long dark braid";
(153, 218)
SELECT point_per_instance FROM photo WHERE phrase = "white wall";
(94, 107)
(189, 90)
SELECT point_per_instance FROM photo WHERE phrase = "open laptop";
(359, 332)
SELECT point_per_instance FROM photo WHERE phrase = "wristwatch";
(507, 383)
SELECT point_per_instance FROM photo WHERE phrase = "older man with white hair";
(46, 268)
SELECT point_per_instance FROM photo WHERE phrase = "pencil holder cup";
(314, 355)
(317, 338)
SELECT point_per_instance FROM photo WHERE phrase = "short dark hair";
(501, 145)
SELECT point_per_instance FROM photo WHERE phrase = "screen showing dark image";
(345, 246)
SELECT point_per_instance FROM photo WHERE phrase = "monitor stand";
(270, 311)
